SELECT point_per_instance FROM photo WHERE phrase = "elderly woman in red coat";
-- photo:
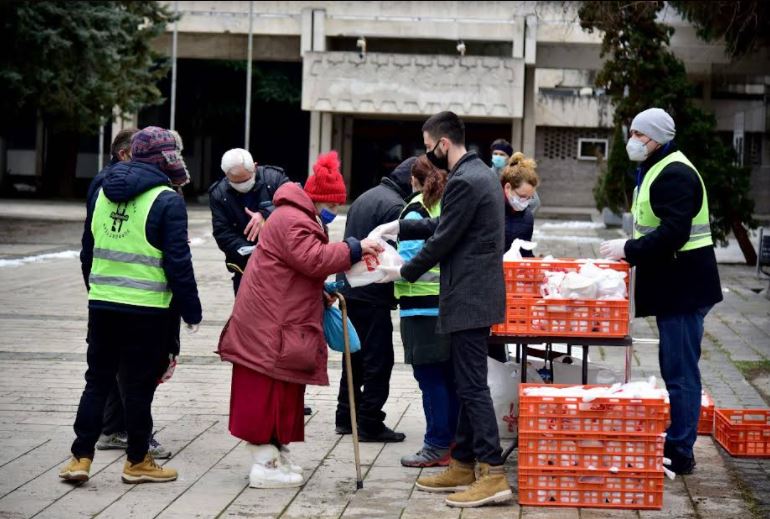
(275, 337)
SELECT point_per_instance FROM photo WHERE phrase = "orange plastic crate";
(706, 421)
(564, 317)
(591, 488)
(602, 415)
(524, 277)
(743, 432)
(591, 451)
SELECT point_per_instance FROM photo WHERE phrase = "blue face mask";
(498, 161)
(327, 216)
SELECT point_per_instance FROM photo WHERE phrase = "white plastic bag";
(367, 271)
(514, 253)
(503, 380)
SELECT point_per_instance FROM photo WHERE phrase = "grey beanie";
(656, 124)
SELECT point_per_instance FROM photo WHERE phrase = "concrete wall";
(412, 84)
(574, 111)
(565, 180)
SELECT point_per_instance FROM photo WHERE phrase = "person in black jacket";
(369, 310)
(137, 261)
(114, 435)
(467, 242)
(240, 203)
(677, 279)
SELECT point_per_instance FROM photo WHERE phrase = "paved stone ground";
(42, 327)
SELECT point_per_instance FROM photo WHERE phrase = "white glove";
(387, 231)
(613, 249)
(192, 328)
(391, 273)
(170, 370)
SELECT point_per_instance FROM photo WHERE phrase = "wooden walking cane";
(351, 396)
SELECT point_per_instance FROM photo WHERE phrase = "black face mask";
(439, 162)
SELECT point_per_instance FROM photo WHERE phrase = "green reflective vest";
(126, 269)
(645, 220)
(428, 283)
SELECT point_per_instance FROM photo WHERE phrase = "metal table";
(523, 341)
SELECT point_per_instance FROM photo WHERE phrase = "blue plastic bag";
(333, 331)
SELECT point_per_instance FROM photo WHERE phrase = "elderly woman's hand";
(370, 246)
(329, 299)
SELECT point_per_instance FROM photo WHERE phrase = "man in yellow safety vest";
(136, 260)
(677, 279)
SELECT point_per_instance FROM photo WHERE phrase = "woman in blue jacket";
(427, 351)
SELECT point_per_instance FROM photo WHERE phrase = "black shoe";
(308, 411)
(680, 465)
(343, 429)
(386, 435)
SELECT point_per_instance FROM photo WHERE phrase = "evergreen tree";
(641, 72)
(72, 62)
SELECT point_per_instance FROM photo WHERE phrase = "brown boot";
(147, 471)
(491, 487)
(76, 469)
(456, 477)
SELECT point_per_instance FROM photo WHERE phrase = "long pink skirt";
(263, 409)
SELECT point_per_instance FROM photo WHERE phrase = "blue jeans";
(680, 338)
(439, 401)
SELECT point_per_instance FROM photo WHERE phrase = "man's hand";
(613, 249)
(387, 231)
(254, 226)
(192, 328)
(371, 246)
(170, 370)
(391, 274)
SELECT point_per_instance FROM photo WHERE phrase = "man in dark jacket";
(240, 203)
(114, 435)
(677, 279)
(467, 241)
(369, 310)
(137, 258)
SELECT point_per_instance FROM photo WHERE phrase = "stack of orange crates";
(607, 453)
(528, 313)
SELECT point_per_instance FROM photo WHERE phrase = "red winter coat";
(277, 323)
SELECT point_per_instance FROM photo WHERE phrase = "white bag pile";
(634, 390)
(590, 282)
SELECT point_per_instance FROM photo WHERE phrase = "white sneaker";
(118, 440)
(268, 471)
(287, 462)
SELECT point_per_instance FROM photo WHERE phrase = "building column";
(530, 55)
(313, 39)
(516, 129)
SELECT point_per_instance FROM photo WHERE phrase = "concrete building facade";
(523, 71)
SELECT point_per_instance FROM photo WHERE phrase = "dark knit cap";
(502, 146)
(161, 148)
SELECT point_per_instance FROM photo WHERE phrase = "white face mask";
(637, 150)
(518, 203)
(244, 187)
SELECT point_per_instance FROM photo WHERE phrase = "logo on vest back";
(113, 227)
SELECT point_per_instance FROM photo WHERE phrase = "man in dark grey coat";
(467, 240)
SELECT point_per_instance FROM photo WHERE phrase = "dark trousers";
(114, 420)
(439, 402)
(133, 347)
(371, 368)
(477, 437)
(236, 282)
(680, 339)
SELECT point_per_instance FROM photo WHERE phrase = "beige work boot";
(456, 477)
(147, 471)
(491, 487)
(76, 469)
